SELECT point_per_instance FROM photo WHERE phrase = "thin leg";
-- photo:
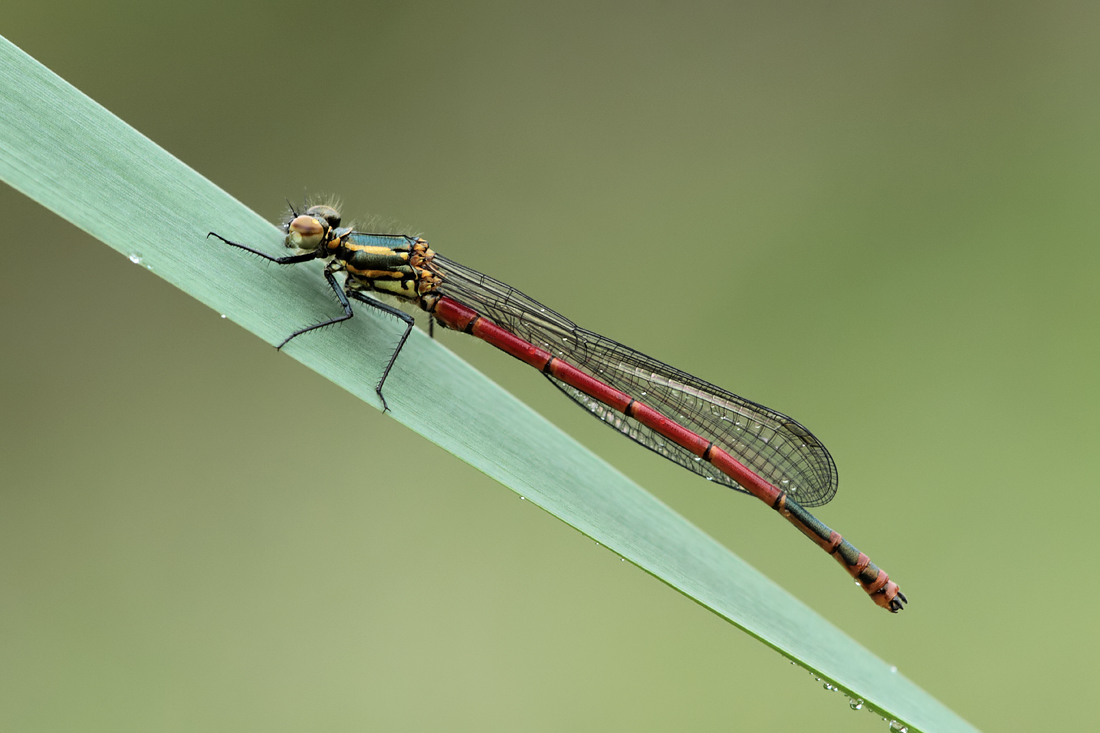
(431, 326)
(294, 260)
(343, 298)
(288, 260)
(409, 323)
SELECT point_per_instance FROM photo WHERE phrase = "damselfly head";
(306, 233)
(329, 214)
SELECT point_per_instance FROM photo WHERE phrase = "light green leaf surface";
(74, 157)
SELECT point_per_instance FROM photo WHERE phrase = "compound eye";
(305, 233)
(329, 214)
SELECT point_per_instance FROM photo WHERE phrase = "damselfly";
(707, 430)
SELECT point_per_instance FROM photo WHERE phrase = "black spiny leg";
(409, 323)
(341, 296)
(288, 260)
(294, 260)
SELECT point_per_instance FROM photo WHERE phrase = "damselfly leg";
(330, 277)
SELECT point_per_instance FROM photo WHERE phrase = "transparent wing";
(774, 446)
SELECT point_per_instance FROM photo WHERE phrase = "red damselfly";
(707, 430)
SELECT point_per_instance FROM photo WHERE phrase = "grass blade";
(74, 157)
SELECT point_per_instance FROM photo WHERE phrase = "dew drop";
(893, 670)
(135, 257)
(855, 703)
(223, 315)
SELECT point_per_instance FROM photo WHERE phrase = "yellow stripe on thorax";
(374, 250)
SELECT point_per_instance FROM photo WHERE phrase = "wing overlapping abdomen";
(772, 445)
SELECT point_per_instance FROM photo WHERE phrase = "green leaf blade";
(71, 155)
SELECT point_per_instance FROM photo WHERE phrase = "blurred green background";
(877, 217)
